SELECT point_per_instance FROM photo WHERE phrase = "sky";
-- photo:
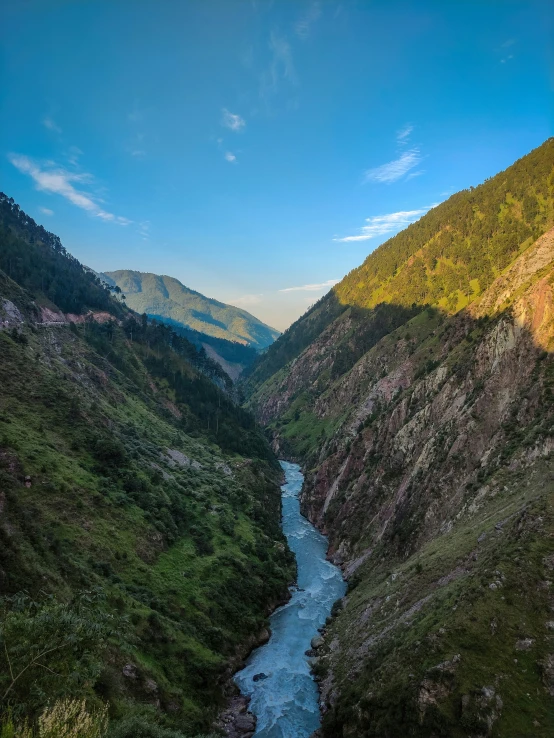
(259, 151)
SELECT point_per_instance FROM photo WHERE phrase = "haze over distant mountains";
(168, 300)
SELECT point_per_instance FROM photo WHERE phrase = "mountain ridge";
(420, 406)
(165, 298)
(140, 547)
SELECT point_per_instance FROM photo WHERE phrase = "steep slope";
(422, 411)
(448, 258)
(140, 549)
(166, 299)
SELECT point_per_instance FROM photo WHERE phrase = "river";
(285, 702)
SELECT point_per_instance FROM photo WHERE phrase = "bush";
(138, 727)
(49, 649)
(65, 719)
(71, 719)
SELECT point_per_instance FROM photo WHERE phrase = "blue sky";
(258, 151)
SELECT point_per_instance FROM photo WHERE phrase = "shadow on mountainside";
(427, 438)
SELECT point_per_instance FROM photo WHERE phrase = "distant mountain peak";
(168, 300)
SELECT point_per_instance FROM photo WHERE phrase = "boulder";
(316, 642)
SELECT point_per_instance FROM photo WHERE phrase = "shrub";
(138, 727)
(71, 719)
(50, 648)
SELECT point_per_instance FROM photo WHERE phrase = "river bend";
(285, 700)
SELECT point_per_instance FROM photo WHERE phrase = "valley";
(338, 527)
(140, 505)
(137, 500)
(417, 397)
(229, 335)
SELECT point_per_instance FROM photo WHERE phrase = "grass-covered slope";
(447, 259)
(423, 414)
(166, 299)
(139, 514)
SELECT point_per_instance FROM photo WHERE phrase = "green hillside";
(166, 299)
(418, 397)
(140, 548)
(446, 259)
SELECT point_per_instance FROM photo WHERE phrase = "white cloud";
(230, 157)
(232, 121)
(73, 155)
(246, 300)
(60, 182)
(303, 26)
(46, 211)
(281, 67)
(381, 225)
(47, 122)
(404, 134)
(394, 170)
(312, 287)
(144, 229)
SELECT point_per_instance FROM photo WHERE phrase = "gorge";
(140, 507)
(417, 396)
(277, 678)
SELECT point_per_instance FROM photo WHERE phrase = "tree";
(49, 648)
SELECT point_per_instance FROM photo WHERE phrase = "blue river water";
(286, 701)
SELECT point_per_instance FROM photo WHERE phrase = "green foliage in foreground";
(72, 718)
(49, 648)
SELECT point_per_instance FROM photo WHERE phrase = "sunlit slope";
(422, 411)
(167, 299)
(447, 259)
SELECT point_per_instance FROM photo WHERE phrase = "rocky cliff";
(426, 430)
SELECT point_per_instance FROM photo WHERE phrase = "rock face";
(428, 463)
(236, 721)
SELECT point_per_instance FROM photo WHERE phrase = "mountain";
(166, 299)
(140, 547)
(417, 395)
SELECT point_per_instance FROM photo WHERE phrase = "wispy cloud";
(232, 121)
(56, 180)
(281, 68)
(144, 229)
(46, 211)
(230, 157)
(381, 225)
(51, 124)
(404, 134)
(303, 27)
(312, 287)
(504, 47)
(246, 300)
(73, 155)
(394, 170)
